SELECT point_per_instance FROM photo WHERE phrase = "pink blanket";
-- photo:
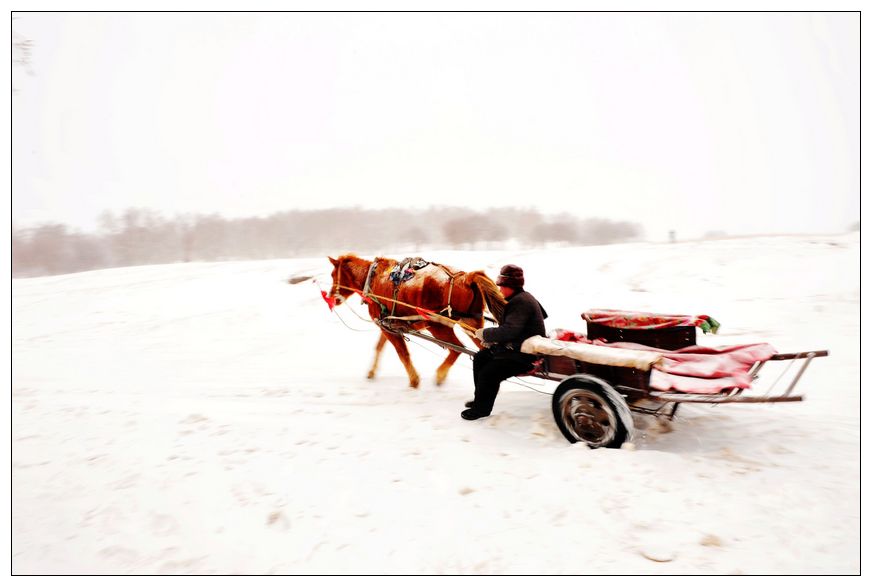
(698, 369)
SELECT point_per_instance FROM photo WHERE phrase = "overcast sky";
(740, 122)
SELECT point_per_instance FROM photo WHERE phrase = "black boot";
(471, 414)
(469, 404)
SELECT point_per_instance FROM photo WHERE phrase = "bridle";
(337, 284)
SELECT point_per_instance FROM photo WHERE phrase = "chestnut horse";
(460, 296)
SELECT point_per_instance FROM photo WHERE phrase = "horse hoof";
(370, 375)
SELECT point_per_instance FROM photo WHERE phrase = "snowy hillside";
(213, 418)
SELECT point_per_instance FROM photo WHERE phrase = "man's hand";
(479, 334)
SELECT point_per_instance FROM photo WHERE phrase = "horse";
(457, 295)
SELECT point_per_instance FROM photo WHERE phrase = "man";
(501, 356)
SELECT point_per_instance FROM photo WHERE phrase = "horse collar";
(369, 275)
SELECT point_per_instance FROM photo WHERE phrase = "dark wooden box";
(626, 376)
(561, 365)
(673, 338)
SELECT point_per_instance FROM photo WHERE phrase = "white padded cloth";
(596, 354)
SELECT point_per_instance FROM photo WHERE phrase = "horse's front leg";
(382, 339)
(403, 352)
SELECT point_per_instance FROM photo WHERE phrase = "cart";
(617, 369)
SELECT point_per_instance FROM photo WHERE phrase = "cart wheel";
(588, 411)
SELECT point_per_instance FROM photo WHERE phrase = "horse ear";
(334, 261)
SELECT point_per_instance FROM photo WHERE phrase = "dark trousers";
(489, 369)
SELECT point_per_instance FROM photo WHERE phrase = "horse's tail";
(493, 299)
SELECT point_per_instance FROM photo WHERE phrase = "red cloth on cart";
(647, 321)
(699, 369)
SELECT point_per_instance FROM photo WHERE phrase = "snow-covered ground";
(212, 418)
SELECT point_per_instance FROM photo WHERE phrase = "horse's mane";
(493, 298)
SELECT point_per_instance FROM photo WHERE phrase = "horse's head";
(345, 277)
(336, 275)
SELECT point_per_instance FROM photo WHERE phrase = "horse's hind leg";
(382, 339)
(403, 352)
(445, 334)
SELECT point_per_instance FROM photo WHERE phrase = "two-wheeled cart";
(618, 368)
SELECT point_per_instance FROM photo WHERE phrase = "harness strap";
(396, 295)
(366, 295)
(383, 310)
(451, 277)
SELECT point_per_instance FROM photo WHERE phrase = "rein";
(429, 314)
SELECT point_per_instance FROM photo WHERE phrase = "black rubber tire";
(584, 413)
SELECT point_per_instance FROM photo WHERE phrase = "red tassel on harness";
(330, 301)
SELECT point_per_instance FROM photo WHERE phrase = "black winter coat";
(523, 317)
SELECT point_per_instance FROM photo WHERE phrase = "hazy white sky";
(741, 122)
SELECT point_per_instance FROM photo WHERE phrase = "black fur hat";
(511, 276)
